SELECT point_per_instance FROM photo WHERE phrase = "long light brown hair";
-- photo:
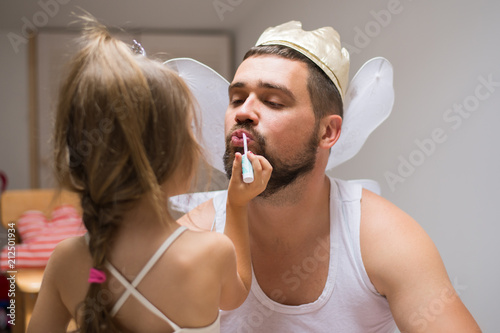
(123, 128)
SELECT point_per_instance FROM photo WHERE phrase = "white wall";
(439, 50)
(14, 137)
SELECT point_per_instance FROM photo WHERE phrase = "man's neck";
(299, 212)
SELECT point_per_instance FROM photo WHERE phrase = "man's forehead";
(270, 70)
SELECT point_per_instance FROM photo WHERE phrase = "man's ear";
(330, 127)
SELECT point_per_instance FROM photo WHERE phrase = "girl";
(123, 141)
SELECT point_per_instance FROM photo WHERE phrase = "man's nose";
(248, 111)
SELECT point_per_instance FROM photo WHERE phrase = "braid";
(101, 225)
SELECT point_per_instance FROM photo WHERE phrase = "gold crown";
(321, 46)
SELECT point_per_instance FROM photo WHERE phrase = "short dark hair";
(324, 95)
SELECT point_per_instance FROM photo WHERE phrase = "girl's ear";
(330, 127)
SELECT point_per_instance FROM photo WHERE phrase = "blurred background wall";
(436, 157)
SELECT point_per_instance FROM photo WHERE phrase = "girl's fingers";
(261, 166)
(259, 162)
(254, 159)
(237, 164)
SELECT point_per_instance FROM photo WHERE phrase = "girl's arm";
(238, 197)
(50, 314)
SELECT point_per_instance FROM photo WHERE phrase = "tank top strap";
(349, 230)
(131, 286)
(130, 290)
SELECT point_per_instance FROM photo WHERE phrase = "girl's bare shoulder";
(68, 266)
(206, 245)
(70, 250)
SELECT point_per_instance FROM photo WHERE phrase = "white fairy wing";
(211, 93)
(368, 102)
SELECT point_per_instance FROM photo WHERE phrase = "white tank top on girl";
(349, 302)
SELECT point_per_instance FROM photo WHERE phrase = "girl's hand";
(239, 192)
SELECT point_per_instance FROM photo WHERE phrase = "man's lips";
(237, 138)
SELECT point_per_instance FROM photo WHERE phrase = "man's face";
(270, 103)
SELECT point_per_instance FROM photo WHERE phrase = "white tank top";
(349, 302)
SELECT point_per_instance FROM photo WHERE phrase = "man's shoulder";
(404, 265)
(375, 206)
(382, 217)
(383, 220)
(392, 242)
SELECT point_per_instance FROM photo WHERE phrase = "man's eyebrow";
(279, 87)
(236, 85)
(265, 85)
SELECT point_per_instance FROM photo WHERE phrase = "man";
(327, 255)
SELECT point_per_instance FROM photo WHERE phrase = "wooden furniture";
(28, 280)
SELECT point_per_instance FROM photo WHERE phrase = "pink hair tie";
(96, 276)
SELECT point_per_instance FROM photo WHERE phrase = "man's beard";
(284, 172)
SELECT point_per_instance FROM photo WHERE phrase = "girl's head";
(122, 132)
